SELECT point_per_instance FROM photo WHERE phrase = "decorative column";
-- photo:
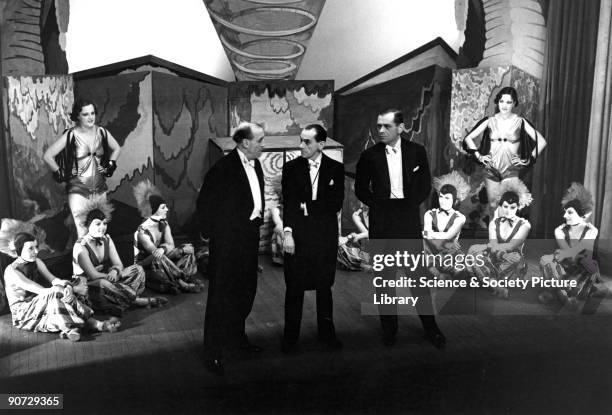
(513, 56)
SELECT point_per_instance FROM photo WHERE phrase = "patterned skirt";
(352, 258)
(163, 275)
(445, 256)
(116, 297)
(48, 313)
(499, 267)
(582, 269)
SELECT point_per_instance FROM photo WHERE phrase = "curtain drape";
(565, 107)
(598, 172)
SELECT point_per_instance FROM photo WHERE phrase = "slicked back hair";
(320, 132)
(398, 116)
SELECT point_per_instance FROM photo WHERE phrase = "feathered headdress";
(10, 228)
(516, 186)
(456, 180)
(147, 195)
(95, 202)
(578, 197)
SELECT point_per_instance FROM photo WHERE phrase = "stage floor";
(514, 356)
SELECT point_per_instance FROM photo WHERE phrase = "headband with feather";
(97, 202)
(516, 186)
(578, 197)
(456, 180)
(10, 228)
(148, 197)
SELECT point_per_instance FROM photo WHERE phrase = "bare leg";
(492, 189)
(111, 325)
(76, 203)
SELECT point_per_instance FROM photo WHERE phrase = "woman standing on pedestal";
(509, 143)
(87, 155)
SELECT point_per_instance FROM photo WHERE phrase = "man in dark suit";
(393, 179)
(313, 191)
(230, 210)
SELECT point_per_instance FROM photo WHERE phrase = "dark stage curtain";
(565, 108)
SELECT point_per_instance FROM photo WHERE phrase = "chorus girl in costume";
(442, 225)
(169, 268)
(112, 288)
(503, 255)
(351, 255)
(35, 307)
(509, 143)
(83, 157)
(573, 260)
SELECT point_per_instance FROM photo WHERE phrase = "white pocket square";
(415, 169)
(331, 182)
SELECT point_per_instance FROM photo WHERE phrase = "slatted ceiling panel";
(265, 39)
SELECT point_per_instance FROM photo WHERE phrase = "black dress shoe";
(436, 338)
(250, 348)
(288, 346)
(389, 339)
(215, 366)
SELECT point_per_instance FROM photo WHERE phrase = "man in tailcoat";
(393, 179)
(313, 191)
(230, 210)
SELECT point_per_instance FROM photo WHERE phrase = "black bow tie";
(98, 241)
(446, 212)
(509, 220)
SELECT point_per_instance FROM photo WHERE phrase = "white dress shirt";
(394, 162)
(314, 167)
(249, 168)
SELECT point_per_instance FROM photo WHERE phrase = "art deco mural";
(37, 111)
(265, 39)
(163, 123)
(424, 98)
(186, 113)
(282, 107)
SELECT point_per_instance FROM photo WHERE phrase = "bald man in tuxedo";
(230, 210)
(393, 179)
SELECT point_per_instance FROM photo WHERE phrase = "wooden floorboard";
(493, 363)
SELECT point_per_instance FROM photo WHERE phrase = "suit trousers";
(424, 306)
(232, 287)
(294, 303)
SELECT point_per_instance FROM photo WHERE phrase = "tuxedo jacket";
(390, 218)
(225, 202)
(297, 189)
(315, 235)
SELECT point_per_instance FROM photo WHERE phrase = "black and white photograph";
(306, 206)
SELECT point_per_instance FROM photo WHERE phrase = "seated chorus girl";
(35, 307)
(351, 255)
(503, 255)
(574, 258)
(112, 288)
(442, 226)
(169, 268)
